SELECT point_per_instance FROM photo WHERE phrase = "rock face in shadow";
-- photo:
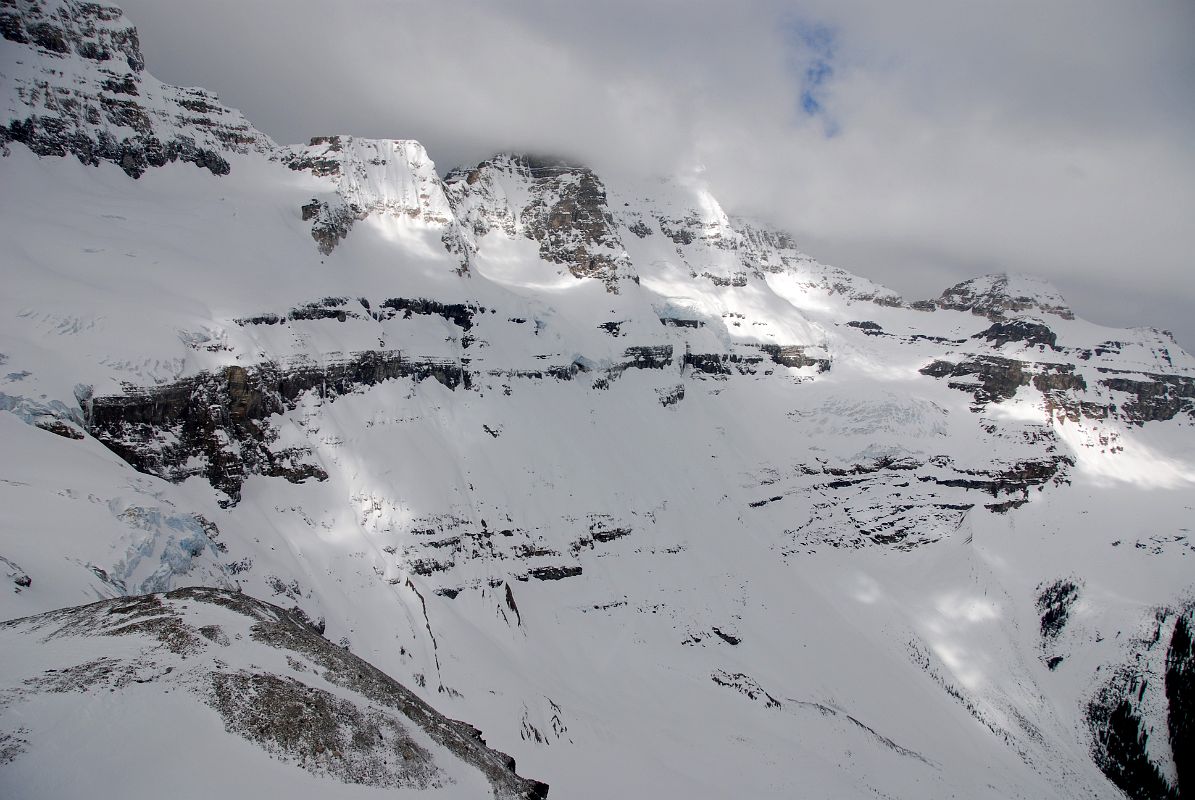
(649, 357)
(216, 424)
(1180, 692)
(1122, 719)
(1054, 604)
(1124, 756)
(1154, 397)
(1141, 396)
(78, 86)
(723, 364)
(1020, 330)
(270, 676)
(990, 379)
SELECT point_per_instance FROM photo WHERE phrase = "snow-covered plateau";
(306, 446)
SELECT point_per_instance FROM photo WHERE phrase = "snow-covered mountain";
(660, 504)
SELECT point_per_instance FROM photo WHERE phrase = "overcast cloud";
(916, 143)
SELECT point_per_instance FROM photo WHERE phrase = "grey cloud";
(1052, 138)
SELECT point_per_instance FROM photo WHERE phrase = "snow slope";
(658, 502)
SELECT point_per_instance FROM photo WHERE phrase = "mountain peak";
(553, 201)
(394, 177)
(63, 28)
(77, 85)
(1005, 294)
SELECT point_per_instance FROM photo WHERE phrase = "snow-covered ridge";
(267, 675)
(386, 177)
(375, 175)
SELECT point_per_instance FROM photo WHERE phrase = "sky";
(918, 143)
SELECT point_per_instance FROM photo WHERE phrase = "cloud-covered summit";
(918, 144)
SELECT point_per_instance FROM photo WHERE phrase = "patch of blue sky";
(813, 47)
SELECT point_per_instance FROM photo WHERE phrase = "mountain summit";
(1005, 295)
(659, 503)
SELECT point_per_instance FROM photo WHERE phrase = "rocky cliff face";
(76, 84)
(1144, 759)
(217, 425)
(1003, 296)
(561, 206)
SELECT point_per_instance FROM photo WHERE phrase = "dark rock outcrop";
(1054, 603)
(574, 226)
(1123, 756)
(216, 424)
(1020, 330)
(20, 579)
(1154, 397)
(1118, 718)
(709, 363)
(459, 314)
(990, 379)
(993, 379)
(869, 328)
(720, 365)
(794, 356)
(330, 222)
(648, 357)
(678, 322)
(1180, 693)
(1058, 378)
(671, 396)
(554, 573)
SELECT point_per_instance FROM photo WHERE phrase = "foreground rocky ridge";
(315, 705)
(521, 433)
